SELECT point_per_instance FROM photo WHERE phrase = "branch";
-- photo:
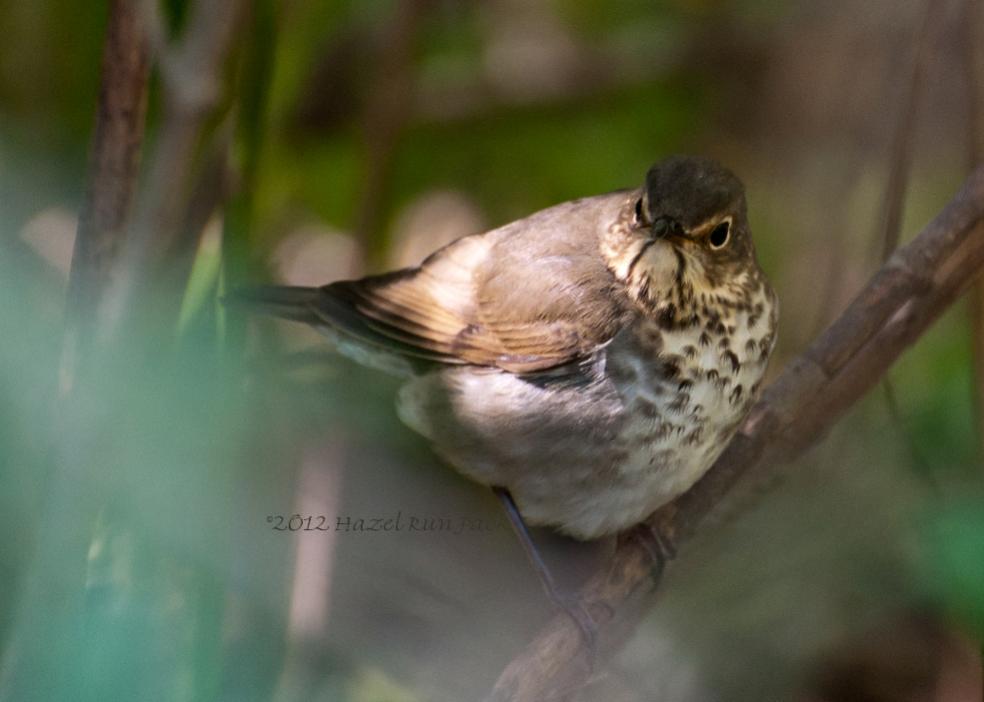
(973, 60)
(192, 74)
(893, 206)
(115, 256)
(51, 591)
(112, 179)
(904, 297)
(386, 116)
(902, 140)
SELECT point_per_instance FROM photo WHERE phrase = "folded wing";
(500, 302)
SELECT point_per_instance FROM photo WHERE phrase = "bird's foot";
(576, 610)
(572, 606)
(660, 549)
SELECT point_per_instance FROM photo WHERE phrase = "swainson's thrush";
(594, 358)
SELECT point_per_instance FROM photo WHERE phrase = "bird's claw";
(660, 549)
(576, 610)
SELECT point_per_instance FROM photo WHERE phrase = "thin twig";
(835, 237)
(903, 138)
(918, 283)
(900, 167)
(211, 189)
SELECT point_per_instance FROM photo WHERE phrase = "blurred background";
(148, 490)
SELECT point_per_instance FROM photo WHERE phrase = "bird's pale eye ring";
(720, 235)
(640, 214)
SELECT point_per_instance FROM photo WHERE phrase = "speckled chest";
(685, 386)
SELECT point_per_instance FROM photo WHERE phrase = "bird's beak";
(665, 227)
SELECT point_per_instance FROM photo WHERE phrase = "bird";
(589, 362)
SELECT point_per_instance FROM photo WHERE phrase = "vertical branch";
(192, 73)
(386, 115)
(33, 665)
(117, 260)
(112, 179)
(256, 76)
(259, 646)
(974, 74)
(893, 208)
(837, 230)
(973, 56)
(903, 138)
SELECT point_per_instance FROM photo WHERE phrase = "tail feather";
(347, 330)
(287, 302)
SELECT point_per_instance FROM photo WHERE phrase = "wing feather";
(529, 297)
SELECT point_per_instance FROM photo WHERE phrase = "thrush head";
(686, 233)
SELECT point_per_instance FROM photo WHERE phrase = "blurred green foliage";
(954, 572)
(190, 450)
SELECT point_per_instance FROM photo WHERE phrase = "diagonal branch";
(916, 285)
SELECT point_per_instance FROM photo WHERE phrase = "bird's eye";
(721, 235)
(640, 216)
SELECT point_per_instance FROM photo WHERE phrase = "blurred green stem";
(255, 76)
(261, 662)
(35, 655)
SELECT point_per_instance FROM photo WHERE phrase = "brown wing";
(501, 301)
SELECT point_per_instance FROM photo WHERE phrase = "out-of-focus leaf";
(954, 568)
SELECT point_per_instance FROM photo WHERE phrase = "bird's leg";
(571, 605)
(660, 549)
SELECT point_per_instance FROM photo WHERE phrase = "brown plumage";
(593, 358)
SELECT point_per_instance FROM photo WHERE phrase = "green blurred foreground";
(141, 559)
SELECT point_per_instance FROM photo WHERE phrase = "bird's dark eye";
(639, 215)
(721, 234)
